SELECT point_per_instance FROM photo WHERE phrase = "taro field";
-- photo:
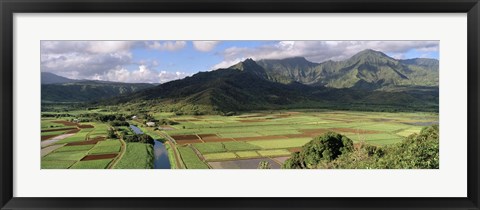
(69, 145)
(241, 142)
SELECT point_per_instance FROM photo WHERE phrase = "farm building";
(150, 124)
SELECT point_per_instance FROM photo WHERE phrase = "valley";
(367, 111)
(224, 142)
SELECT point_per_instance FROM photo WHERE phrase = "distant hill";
(60, 89)
(50, 78)
(368, 79)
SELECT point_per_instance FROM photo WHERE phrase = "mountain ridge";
(367, 78)
(368, 66)
(56, 88)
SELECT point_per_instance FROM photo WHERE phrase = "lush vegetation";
(190, 159)
(323, 148)
(106, 147)
(137, 156)
(335, 151)
(171, 156)
(142, 138)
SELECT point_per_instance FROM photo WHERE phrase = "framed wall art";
(239, 104)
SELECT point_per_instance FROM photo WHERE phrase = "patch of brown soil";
(260, 138)
(89, 142)
(300, 135)
(208, 136)
(57, 129)
(72, 131)
(85, 126)
(48, 137)
(99, 157)
(66, 123)
(184, 137)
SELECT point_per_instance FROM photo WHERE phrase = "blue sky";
(162, 61)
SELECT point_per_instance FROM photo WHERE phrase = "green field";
(190, 159)
(66, 156)
(74, 148)
(247, 154)
(106, 147)
(137, 156)
(56, 164)
(283, 143)
(268, 134)
(220, 156)
(70, 156)
(53, 133)
(212, 147)
(271, 134)
(97, 164)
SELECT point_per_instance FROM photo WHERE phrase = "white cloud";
(227, 63)
(141, 75)
(166, 45)
(205, 46)
(82, 59)
(319, 51)
(106, 60)
(109, 46)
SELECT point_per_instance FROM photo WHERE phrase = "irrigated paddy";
(232, 141)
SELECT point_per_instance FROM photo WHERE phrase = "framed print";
(239, 105)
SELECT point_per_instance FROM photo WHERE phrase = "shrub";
(142, 138)
(323, 148)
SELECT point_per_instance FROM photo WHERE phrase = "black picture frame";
(10, 7)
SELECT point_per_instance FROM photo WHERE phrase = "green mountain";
(367, 69)
(369, 80)
(60, 89)
(232, 89)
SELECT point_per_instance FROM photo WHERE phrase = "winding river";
(160, 160)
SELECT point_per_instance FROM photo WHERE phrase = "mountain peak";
(246, 64)
(371, 56)
(371, 52)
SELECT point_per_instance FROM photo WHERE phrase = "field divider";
(123, 149)
(200, 138)
(87, 152)
(179, 163)
(199, 155)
